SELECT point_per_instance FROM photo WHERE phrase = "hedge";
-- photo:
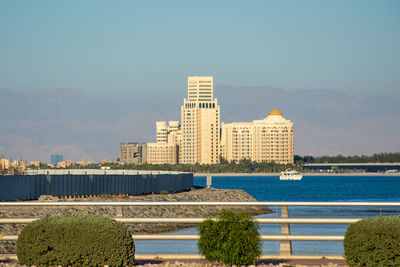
(373, 242)
(231, 239)
(75, 240)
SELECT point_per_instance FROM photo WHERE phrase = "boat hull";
(290, 177)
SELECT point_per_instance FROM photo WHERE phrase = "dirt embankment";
(204, 194)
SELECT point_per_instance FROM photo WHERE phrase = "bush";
(373, 242)
(232, 239)
(76, 240)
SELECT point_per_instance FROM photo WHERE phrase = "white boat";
(391, 171)
(290, 175)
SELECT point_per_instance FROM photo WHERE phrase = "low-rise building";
(133, 153)
(166, 148)
(61, 164)
(34, 164)
(162, 153)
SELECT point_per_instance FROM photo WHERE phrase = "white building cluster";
(201, 139)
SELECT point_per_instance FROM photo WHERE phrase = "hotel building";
(270, 139)
(166, 148)
(200, 118)
(200, 138)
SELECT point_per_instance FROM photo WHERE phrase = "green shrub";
(232, 239)
(76, 240)
(373, 242)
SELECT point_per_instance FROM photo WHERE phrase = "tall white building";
(200, 122)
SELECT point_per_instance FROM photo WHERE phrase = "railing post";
(285, 247)
(209, 177)
(118, 212)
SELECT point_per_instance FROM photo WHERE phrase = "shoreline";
(304, 174)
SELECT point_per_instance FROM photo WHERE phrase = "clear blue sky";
(123, 47)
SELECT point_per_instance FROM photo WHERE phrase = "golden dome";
(274, 111)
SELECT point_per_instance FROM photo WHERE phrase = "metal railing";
(285, 237)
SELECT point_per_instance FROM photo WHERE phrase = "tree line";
(243, 166)
(248, 166)
(377, 157)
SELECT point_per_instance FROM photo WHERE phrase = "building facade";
(166, 148)
(132, 153)
(4, 164)
(200, 119)
(270, 139)
(56, 158)
(162, 153)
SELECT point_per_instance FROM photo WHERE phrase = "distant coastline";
(305, 174)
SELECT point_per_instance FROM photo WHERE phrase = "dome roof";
(275, 112)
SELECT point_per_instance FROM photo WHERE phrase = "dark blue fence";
(19, 187)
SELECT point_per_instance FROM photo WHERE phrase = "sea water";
(310, 188)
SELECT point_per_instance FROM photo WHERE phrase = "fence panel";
(18, 187)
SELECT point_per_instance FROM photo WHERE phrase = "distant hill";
(326, 122)
(36, 124)
(83, 127)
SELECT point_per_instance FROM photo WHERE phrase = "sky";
(134, 48)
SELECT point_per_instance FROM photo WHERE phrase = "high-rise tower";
(200, 120)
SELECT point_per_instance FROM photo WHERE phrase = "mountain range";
(36, 124)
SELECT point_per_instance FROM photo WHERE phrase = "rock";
(48, 198)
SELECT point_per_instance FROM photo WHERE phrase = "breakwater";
(205, 194)
(32, 186)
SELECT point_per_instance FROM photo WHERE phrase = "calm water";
(310, 188)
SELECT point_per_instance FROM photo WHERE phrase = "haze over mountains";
(35, 124)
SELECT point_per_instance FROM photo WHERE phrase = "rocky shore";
(204, 194)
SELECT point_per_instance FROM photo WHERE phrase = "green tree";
(231, 239)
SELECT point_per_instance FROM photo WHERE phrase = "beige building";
(166, 148)
(162, 153)
(200, 138)
(132, 153)
(61, 164)
(200, 119)
(34, 164)
(4, 164)
(270, 139)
